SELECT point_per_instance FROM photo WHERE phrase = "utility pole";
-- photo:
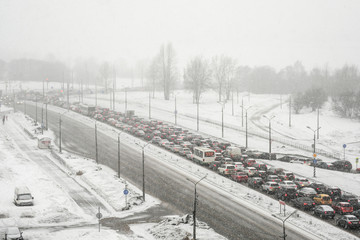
(96, 92)
(242, 112)
(125, 101)
(246, 123)
(314, 147)
(318, 123)
(222, 117)
(197, 115)
(119, 153)
(269, 118)
(149, 106)
(143, 167)
(60, 133)
(175, 112)
(195, 204)
(46, 116)
(290, 111)
(96, 145)
(36, 120)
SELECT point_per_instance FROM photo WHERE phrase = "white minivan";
(23, 197)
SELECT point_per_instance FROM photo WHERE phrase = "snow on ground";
(243, 195)
(54, 214)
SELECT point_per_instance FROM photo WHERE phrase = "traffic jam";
(243, 166)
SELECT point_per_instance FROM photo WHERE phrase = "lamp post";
(60, 136)
(96, 146)
(125, 101)
(246, 125)
(175, 112)
(283, 222)
(149, 106)
(314, 148)
(195, 203)
(222, 103)
(197, 114)
(269, 118)
(143, 167)
(119, 155)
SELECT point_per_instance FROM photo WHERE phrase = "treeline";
(309, 88)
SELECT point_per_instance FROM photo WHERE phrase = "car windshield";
(352, 218)
(326, 198)
(13, 231)
(231, 167)
(24, 197)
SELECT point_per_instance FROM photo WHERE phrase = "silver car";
(270, 187)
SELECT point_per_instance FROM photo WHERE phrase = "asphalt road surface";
(224, 215)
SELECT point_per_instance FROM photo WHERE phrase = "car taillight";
(270, 187)
(313, 203)
(349, 222)
(334, 212)
(301, 183)
(325, 212)
(305, 203)
(332, 193)
(317, 188)
(227, 170)
(285, 194)
(349, 200)
(255, 182)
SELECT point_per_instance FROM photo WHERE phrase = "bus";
(86, 110)
(203, 155)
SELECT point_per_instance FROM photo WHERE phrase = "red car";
(240, 177)
(343, 207)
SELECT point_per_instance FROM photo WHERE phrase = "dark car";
(333, 192)
(325, 165)
(223, 145)
(307, 192)
(255, 182)
(260, 166)
(342, 165)
(304, 203)
(352, 199)
(347, 221)
(356, 213)
(286, 194)
(324, 211)
(214, 165)
(261, 173)
(319, 187)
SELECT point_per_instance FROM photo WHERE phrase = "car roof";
(326, 207)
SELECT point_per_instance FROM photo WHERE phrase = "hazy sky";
(268, 32)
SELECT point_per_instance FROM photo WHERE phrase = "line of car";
(240, 165)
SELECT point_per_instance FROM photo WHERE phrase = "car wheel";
(346, 226)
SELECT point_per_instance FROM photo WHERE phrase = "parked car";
(304, 203)
(273, 178)
(301, 182)
(324, 211)
(343, 207)
(323, 199)
(255, 182)
(240, 177)
(226, 169)
(319, 187)
(287, 184)
(270, 187)
(348, 221)
(307, 192)
(13, 233)
(326, 165)
(286, 194)
(342, 165)
(285, 175)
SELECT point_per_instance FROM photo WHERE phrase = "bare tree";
(105, 72)
(197, 77)
(169, 71)
(223, 73)
(154, 74)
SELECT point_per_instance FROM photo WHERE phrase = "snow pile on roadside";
(177, 227)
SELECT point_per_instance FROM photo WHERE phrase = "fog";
(275, 33)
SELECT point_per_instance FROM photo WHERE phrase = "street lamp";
(195, 203)
(143, 167)
(222, 117)
(60, 137)
(269, 118)
(246, 125)
(314, 147)
(283, 222)
(175, 111)
(119, 149)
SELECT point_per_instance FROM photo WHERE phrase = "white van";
(23, 197)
